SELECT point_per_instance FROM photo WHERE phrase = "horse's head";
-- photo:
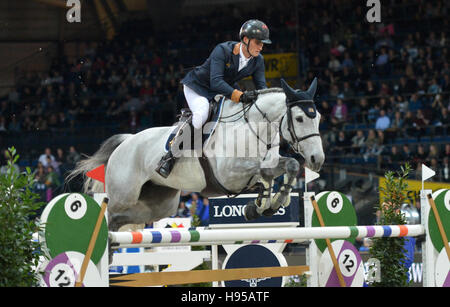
(300, 126)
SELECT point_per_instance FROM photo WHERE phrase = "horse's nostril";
(313, 160)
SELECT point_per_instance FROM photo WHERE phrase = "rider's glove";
(248, 97)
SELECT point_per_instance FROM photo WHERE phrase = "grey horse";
(242, 152)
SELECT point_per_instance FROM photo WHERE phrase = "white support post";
(312, 252)
(103, 265)
(215, 261)
(428, 253)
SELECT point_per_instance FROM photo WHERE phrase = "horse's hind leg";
(115, 221)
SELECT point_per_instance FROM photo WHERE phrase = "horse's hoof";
(110, 250)
(250, 212)
(269, 212)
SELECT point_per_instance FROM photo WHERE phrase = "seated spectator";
(347, 62)
(401, 87)
(203, 211)
(371, 139)
(381, 139)
(2, 124)
(182, 210)
(339, 113)
(133, 122)
(406, 154)
(347, 91)
(434, 165)
(443, 122)
(437, 104)
(61, 160)
(53, 164)
(370, 89)
(401, 104)
(433, 153)
(361, 78)
(357, 141)
(444, 170)
(194, 202)
(420, 122)
(382, 63)
(446, 151)
(52, 182)
(325, 109)
(414, 103)
(73, 157)
(385, 90)
(420, 156)
(334, 64)
(434, 87)
(445, 83)
(383, 122)
(362, 111)
(409, 125)
(43, 158)
(14, 125)
(146, 91)
(374, 113)
(396, 126)
(372, 146)
(341, 145)
(393, 159)
(386, 105)
(40, 187)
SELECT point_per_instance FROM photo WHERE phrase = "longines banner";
(231, 211)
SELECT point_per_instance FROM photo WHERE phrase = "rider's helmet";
(254, 28)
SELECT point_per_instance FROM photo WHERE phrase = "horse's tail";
(100, 157)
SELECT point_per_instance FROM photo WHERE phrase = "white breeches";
(199, 106)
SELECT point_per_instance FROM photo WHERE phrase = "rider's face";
(254, 46)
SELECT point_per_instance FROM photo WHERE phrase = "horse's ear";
(312, 88)
(289, 91)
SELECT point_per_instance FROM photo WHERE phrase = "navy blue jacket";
(219, 73)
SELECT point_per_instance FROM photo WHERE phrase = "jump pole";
(187, 277)
(185, 236)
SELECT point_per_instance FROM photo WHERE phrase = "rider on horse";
(228, 63)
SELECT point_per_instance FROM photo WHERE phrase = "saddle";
(213, 186)
(185, 118)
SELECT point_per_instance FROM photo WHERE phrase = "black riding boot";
(165, 165)
(167, 162)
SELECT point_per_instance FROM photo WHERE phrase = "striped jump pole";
(159, 237)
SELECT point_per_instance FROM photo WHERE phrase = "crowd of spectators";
(194, 204)
(383, 89)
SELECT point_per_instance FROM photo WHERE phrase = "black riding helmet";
(254, 28)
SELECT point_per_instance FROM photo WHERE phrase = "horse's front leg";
(283, 198)
(268, 171)
(262, 204)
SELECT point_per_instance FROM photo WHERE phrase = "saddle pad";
(206, 134)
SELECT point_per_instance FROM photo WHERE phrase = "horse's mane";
(271, 90)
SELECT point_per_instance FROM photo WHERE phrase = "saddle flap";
(185, 118)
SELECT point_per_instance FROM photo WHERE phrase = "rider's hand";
(248, 97)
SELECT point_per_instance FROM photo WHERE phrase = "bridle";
(291, 128)
(290, 121)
